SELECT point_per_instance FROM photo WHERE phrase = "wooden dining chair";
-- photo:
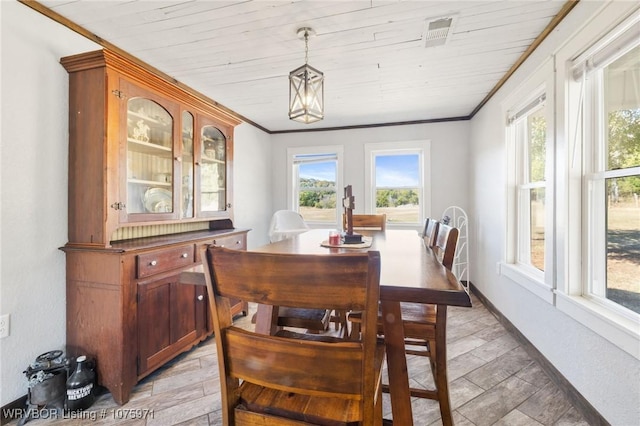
(290, 378)
(425, 327)
(430, 231)
(376, 222)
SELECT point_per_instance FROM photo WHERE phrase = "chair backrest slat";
(292, 280)
(430, 231)
(376, 222)
(445, 244)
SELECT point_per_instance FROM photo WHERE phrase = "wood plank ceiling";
(377, 68)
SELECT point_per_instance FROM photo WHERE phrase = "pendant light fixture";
(306, 87)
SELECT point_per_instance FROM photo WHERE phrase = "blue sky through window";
(395, 171)
(319, 171)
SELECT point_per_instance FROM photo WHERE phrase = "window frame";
(540, 283)
(292, 186)
(420, 147)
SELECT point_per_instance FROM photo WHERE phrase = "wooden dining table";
(410, 272)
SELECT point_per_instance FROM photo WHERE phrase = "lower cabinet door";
(171, 318)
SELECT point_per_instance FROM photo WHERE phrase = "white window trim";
(308, 150)
(608, 322)
(540, 283)
(421, 146)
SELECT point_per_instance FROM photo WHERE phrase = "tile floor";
(493, 382)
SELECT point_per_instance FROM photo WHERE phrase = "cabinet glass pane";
(187, 165)
(149, 157)
(212, 170)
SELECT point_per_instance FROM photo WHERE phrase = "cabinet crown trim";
(145, 74)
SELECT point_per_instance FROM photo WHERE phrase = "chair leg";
(441, 379)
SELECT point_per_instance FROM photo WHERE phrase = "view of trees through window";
(317, 200)
(316, 187)
(623, 181)
(397, 186)
(537, 137)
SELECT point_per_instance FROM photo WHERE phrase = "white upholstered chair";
(286, 224)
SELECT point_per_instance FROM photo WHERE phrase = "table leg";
(396, 363)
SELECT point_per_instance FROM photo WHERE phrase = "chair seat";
(259, 403)
(313, 320)
(310, 319)
(415, 316)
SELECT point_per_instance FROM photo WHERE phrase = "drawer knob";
(153, 263)
(184, 255)
(201, 298)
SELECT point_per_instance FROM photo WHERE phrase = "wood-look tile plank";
(192, 377)
(534, 374)
(458, 420)
(572, 418)
(463, 346)
(185, 411)
(494, 348)
(517, 418)
(500, 369)
(547, 405)
(495, 403)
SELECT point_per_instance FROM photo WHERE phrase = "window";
(397, 182)
(611, 176)
(315, 183)
(530, 191)
(599, 276)
(529, 136)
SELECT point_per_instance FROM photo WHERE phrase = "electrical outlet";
(4, 325)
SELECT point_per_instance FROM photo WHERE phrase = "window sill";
(527, 280)
(619, 330)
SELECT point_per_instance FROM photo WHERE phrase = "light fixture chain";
(306, 47)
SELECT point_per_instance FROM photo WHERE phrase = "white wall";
(449, 159)
(252, 183)
(33, 187)
(605, 375)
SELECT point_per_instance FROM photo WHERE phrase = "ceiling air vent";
(437, 31)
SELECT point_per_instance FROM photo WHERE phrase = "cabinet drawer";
(164, 260)
(237, 242)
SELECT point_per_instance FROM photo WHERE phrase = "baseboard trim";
(590, 414)
(11, 410)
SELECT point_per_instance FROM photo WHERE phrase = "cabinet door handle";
(153, 263)
(201, 298)
(184, 255)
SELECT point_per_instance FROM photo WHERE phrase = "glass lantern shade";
(306, 94)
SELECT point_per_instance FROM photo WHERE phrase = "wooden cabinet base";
(127, 309)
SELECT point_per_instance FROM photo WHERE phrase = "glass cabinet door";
(149, 158)
(187, 165)
(213, 179)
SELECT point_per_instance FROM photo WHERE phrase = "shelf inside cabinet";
(148, 148)
(149, 182)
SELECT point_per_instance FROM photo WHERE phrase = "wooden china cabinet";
(150, 168)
